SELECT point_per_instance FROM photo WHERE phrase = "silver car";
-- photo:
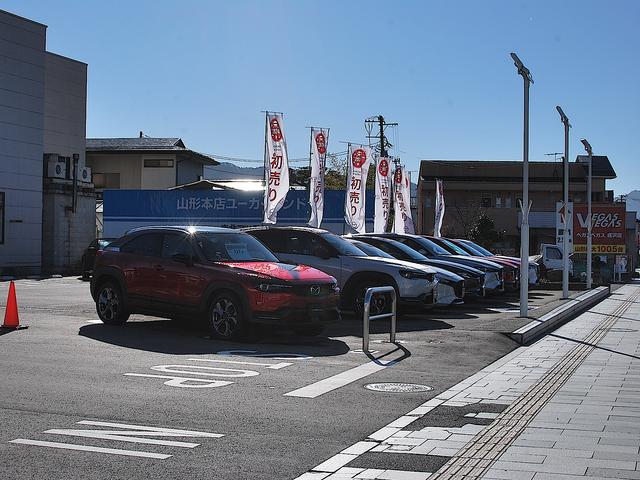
(415, 285)
(450, 288)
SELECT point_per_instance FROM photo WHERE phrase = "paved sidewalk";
(566, 407)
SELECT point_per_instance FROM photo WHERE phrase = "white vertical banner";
(319, 145)
(402, 222)
(439, 209)
(276, 167)
(359, 159)
(383, 195)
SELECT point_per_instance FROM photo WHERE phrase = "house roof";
(146, 145)
(600, 165)
(497, 171)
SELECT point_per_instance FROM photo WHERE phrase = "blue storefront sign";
(126, 209)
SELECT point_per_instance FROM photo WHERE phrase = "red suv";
(225, 276)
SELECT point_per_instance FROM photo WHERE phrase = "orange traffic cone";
(11, 321)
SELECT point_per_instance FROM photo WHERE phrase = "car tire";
(110, 305)
(226, 317)
(309, 330)
(379, 303)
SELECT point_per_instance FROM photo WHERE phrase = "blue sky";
(203, 71)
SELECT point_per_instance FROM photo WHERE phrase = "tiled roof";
(144, 143)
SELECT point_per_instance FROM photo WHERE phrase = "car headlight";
(417, 275)
(273, 287)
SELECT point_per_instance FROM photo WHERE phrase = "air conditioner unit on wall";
(56, 167)
(84, 174)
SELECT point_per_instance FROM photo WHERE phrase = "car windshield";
(342, 246)
(458, 250)
(407, 250)
(103, 242)
(232, 247)
(479, 248)
(432, 247)
(370, 249)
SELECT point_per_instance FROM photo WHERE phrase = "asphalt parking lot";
(270, 409)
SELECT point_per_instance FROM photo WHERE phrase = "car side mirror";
(182, 258)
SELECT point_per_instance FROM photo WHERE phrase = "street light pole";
(587, 147)
(524, 230)
(565, 201)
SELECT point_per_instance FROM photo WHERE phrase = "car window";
(233, 247)
(370, 249)
(176, 244)
(342, 246)
(305, 243)
(454, 248)
(480, 248)
(426, 245)
(553, 254)
(148, 245)
(270, 238)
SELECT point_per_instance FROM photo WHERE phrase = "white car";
(450, 288)
(415, 285)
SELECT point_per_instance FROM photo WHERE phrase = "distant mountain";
(633, 203)
(229, 171)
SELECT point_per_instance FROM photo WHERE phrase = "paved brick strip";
(485, 448)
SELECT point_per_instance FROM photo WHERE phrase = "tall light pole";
(587, 147)
(524, 230)
(565, 201)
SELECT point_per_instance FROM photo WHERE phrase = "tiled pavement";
(566, 407)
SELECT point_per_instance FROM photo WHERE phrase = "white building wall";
(22, 67)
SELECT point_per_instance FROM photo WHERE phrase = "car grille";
(472, 284)
(314, 290)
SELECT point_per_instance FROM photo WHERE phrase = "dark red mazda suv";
(224, 276)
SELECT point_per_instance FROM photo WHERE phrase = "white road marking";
(128, 433)
(87, 448)
(275, 356)
(93, 321)
(272, 366)
(209, 371)
(341, 379)
(183, 382)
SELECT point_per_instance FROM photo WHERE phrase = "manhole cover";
(397, 387)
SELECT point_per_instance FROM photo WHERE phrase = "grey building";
(42, 127)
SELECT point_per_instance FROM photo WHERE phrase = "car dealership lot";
(244, 410)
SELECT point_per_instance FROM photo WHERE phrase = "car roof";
(181, 228)
(289, 227)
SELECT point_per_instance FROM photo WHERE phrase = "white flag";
(437, 224)
(402, 222)
(383, 194)
(319, 144)
(358, 159)
(276, 169)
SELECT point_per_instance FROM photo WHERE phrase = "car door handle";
(158, 268)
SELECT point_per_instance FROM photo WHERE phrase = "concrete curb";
(556, 317)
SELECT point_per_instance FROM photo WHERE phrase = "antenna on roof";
(141, 134)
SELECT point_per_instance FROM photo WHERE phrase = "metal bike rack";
(366, 318)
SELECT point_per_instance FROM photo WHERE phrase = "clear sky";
(203, 71)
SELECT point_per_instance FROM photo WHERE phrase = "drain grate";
(397, 387)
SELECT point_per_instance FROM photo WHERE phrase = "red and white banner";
(437, 224)
(402, 222)
(383, 195)
(359, 159)
(319, 145)
(276, 168)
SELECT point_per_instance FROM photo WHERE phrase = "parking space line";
(87, 448)
(341, 379)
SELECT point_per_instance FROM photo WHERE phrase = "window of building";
(498, 202)
(1, 218)
(486, 201)
(106, 180)
(507, 202)
(158, 163)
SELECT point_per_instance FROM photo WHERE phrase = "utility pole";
(384, 152)
(565, 201)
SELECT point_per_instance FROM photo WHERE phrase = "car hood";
(446, 265)
(472, 261)
(282, 271)
(373, 262)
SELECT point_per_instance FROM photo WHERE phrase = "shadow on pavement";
(178, 338)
